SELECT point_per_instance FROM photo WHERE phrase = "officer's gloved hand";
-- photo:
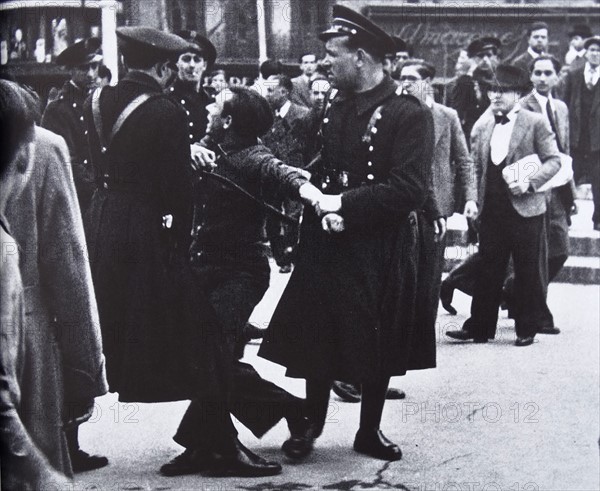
(333, 223)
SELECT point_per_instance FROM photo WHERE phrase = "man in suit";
(544, 76)
(582, 95)
(301, 93)
(537, 45)
(64, 115)
(285, 140)
(512, 212)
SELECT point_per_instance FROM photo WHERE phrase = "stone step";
(578, 269)
(581, 244)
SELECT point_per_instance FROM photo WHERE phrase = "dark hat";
(589, 41)
(202, 45)
(582, 30)
(347, 22)
(482, 44)
(146, 44)
(401, 44)
(84, 51)
(507, 77)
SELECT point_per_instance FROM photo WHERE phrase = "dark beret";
(84, 51)
(582, 30)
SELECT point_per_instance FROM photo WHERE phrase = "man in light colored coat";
(512, 212)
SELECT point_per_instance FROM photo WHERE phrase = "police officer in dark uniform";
(187, 89)
(64, 115)
(348, 311)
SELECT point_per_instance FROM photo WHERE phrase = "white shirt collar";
(429, 102)
(589, 68)
(542, 99)
(283, 110)
(533, 53)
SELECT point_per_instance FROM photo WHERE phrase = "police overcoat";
(348, 311)
(155, 325)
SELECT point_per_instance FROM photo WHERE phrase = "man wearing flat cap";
(357, 259)
(64, 116)
(393, 61)
(467, 94)
(187, 89)
(582, 95)
(537, 45)
(511, 208)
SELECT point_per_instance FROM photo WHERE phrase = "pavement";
(489, 417)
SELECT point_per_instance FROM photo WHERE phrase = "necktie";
(501, 118)
(552, 119)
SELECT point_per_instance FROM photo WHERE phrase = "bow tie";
(501, 118)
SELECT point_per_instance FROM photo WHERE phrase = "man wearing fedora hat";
(64, 116)
(357, 255)
(581, 92)
(187, 89)
(512, 212)
(577, 35)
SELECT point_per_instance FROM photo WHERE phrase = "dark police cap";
(483, 44)
(80, 53)
(401, 44)
(593, 40)
(347, 22)
(582, 30)
(147, 42)
(508, 77)
(200, 44)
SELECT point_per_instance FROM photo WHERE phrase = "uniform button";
(183, 101)
(325, 120)
(103, 149)
(370, 177)
(378, 116)
(371, 148)
(85, 161)
(198, 228)
(373, 130)
(80, 118)
(85, 132)
(105, 185)
(187, 112)
(191, 124)
(191, 137)
(74, 105)
(324, 185)
(198, 254)
(370, 164)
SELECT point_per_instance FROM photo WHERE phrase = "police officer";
(357, 256)
(64, 115)
(187, 89)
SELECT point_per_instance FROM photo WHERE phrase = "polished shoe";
(345, 391)
(548, 330)
(464, 335)
(189, 462)
(446, 294)
(375, 444)
(301, 441)
(395, 394)
(524, 341)
(82, 461)
(242, 463)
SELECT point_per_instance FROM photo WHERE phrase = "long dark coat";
(64, 116)
(155, 324)
(348, 311)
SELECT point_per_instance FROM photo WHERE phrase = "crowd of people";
(138, 219)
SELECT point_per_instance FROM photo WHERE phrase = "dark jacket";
(64, 116)
(155, 325)
(194, 104)
(463, 97)
(348, 310)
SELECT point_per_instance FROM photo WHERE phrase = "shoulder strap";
(128, 111)
(98, 118)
